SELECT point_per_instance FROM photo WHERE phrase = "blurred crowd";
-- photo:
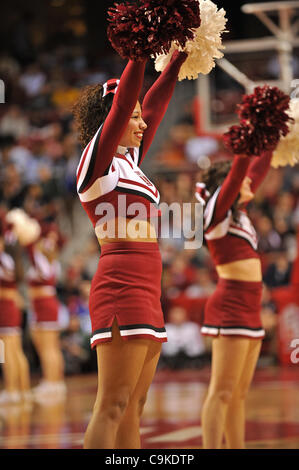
(39, 155)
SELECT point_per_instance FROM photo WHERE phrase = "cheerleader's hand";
(179, 55)
(201, 193)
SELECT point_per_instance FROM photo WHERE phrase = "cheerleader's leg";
(51, 356)
(10, 371)
(228, 361)
(235, 418)
(22, 366)
(120, 364)
(131, 418)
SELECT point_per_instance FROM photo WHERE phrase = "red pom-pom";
(137, 31)
(263, 121)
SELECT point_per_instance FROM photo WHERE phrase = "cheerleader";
(41, 278)
(15, 367)
(127, 320)
(232, 313)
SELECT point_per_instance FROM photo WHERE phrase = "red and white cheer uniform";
(234, 307)
(42, 277)
(10, 315)
(127, 284)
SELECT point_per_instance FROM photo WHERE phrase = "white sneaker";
(43, 386)
(9, 397)
(54, 393)
(46, 388)
(27, 395)
(57, 387)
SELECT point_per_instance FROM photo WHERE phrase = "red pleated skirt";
(45, 310)
(10, 316)
(234, 310)
(127, 287)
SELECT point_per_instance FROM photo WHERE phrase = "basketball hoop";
(282, 20)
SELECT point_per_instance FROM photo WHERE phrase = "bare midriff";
(243, 270)
(41, 291)
(8, 293)
(126, 230)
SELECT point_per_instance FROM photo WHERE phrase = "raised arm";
(99, 153)
(258, 170)
(14, 250)
(39, 262)
(157, 98)
(230, 188)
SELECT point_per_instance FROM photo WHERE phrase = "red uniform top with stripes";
(43, 274)
(234, 307)
(129, 273)
(42, 271)
(10, 315)
(227, 239)
(107, 170)
(7, 271)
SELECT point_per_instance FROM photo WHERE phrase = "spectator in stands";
(203, 285)
(270, 324)
(185, 347)
(15, 123)
(12, 190)
(75, 347)
(33, 80)
(269, 239)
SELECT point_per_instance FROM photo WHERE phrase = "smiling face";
(245, 192)
(133, 134)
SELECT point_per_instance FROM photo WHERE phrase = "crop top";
(229, 240)
(42, 272)
(106, 170)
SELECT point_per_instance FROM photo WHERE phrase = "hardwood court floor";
(171, 417)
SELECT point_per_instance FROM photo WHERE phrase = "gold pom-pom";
(26, 229)
(204, 48)
(287, 151)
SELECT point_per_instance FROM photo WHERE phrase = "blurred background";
(49, 50)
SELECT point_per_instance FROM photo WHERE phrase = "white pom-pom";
(26, 229)
(287, 151)
(204, 48)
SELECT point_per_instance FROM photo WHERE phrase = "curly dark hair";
(214, 177)
(90, 111)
